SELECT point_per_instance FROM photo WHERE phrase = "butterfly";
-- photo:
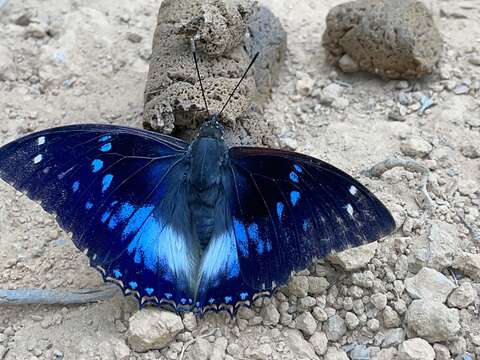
(193, 227)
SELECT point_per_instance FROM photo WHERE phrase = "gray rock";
(219, 348)
(347, 64)
(416, 146)
(270, 315)
(351, 320)
(7, 65)
(437, 250)
(469, 264)
(298, 286)
(319, 342)
(299, 346)
(415, 349)
(392, 38)
(200, 350)
(432, 320)
(393, 337)
(354, 258)
(190, 321)
(468, 186)
(390, 318)
(336, 354)
(319, 314)
(379, 301)
(317, 285)
(153, 329)
(259, 352)
(462, 296)
(441, 352)
(429, 284)
(306, 323)
(335, 328)
(386, 354)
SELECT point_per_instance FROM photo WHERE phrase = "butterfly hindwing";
(117, 190)
(289, 208)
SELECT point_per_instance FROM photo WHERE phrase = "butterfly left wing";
(117, 190)
(288, 209)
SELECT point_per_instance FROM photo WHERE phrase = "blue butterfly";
(195, 226)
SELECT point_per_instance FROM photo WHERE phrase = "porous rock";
(153, 329)
(415, 349)
(299, 347)
(173, 98)
(462, 296)
(469, 264)
(354, 258)
(432, 320)
(393, 38)
(429, 284)
(437, 249)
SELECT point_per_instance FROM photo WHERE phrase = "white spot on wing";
(37, 158)
(349, 209)
(353, 190)
(41, 140)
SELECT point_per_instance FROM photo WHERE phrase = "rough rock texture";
(429, 284)
(173, 97)
(299, 346)
(432, 320)
(354, 258)
(392, 38)
(415, 349)
(469, 264)
(153, 329)
(462, 296)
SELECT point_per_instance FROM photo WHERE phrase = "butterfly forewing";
(290, 208)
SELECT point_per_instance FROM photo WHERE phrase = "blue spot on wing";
(121, 215)
(137, 220)
(88, 205)
(75, 186)
(294, 197)
(106, 182)
(149, 291)
(294, 177)
(280, 208)
(106, 147)
(97, 165)
(104, 138)
(255, 237)
(133, 284)
(298, 168)
(241, 236)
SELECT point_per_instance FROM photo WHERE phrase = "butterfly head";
(212, 128)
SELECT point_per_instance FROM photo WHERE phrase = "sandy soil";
(76, 64)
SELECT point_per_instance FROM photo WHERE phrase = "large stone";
(469, 264)
(432, 320)
(462, 296)
(392, 38)
(354, 258)
(429, 284)
(317, 285)
(335, 328)
(270, 315)
(306, 323)
(416, 146)
(298, 286)
(393, 337)
(153, 329)
(415, 349)
(437, 250)
(319, 342)
(299, 347)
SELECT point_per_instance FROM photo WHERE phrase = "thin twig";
(57, 296)
(410, 165)
(192, 341)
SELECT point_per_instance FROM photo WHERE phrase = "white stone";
(200, 350)
(336, 354)
(219, 348)
(416, 146)
(319, 342)
(317, 285)
(469, 264)
(441, 352)
(468, 186)
(379, 301)
(393, 337)
(429, 284)
(7, 65)
(390, 318)
(354, 258)
(153, 329)
(351, 320)
(347, 64)
(298, 286)
(259, 352)
(432, 320)
(299, 347)
(270, 315)
(305, 84)
(306, 323)
(190, 321)
(335, 328)
(462, 296)
(415, 349)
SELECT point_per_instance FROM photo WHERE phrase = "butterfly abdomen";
(208, 157)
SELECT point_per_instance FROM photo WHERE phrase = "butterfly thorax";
(208, 156)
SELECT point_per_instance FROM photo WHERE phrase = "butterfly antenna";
(236, 87)
(194, 51)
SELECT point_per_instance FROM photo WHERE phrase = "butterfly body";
(197, 226)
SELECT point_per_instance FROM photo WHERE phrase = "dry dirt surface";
(75, 61)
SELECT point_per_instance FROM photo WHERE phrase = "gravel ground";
(413, 295)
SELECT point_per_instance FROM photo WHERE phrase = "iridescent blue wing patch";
(117, 190)
(288, 209)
